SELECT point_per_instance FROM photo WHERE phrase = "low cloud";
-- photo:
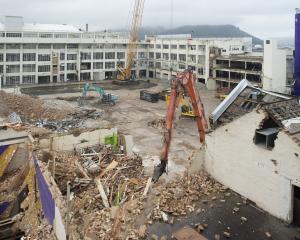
(261, 18)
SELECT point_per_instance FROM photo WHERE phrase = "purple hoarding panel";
(297, 53)
(3, 148)
(3, 207)
(48, 204)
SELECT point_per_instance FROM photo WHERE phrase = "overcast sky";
(262, 18)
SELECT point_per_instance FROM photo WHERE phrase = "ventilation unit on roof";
(13, 22)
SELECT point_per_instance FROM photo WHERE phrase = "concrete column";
(4, 65)
(92, 63)
(66, 57)
(78, 63)
(51, 66)
(36, 64)
(21, 64)
(206, 64)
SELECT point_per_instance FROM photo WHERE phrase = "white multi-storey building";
(169, 54)
(46, 53)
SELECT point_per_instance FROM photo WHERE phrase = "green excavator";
(105, 98)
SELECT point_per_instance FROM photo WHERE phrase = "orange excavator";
(183, 81)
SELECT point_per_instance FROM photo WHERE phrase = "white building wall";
(232, 158)
(198, 47)
(274, 67)
(54, 35)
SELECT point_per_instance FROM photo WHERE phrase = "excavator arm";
(184, 81)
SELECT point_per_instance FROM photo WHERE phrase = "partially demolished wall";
(265, 176)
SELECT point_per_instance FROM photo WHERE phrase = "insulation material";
(48, 204)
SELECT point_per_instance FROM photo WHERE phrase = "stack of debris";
(29, 108)
(178, 197)
(117, 179)
(95, 158)
(158, 123)
(64, 170)
(73, 121)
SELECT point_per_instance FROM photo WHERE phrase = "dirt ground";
(218, 215)
(131, 116)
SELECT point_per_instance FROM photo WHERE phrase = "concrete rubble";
(103, 193)
(29, 108)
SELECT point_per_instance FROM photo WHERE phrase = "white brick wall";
(233, 159)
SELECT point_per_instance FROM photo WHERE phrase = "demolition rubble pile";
(100, 178)
(178, 197)
(28, 107)
(23, 109)
(66, 170)
(157, 123)
(74, 121)
(167, 201)
(6, 185)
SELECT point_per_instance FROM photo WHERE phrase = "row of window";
(101, 46)
(175, 46)
(62, 46)
(27, 68)
(41, 35)
(15, 80)
(15, 57)
(176, 57)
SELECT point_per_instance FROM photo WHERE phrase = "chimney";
(87, 27)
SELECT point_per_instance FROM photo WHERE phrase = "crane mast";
(125, 74)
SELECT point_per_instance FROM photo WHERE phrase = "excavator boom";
(184, 81)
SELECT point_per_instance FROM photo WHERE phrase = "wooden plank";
(102, 193)
(187, 233)
(147, 186)
(80, 168)
(110, 167)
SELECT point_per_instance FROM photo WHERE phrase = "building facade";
(229, 70)
(47, 53)
(169, 54)
(43, 53)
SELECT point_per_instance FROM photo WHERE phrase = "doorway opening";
(296, 211)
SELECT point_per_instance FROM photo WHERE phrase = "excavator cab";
(185, 105)
(104, 97)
